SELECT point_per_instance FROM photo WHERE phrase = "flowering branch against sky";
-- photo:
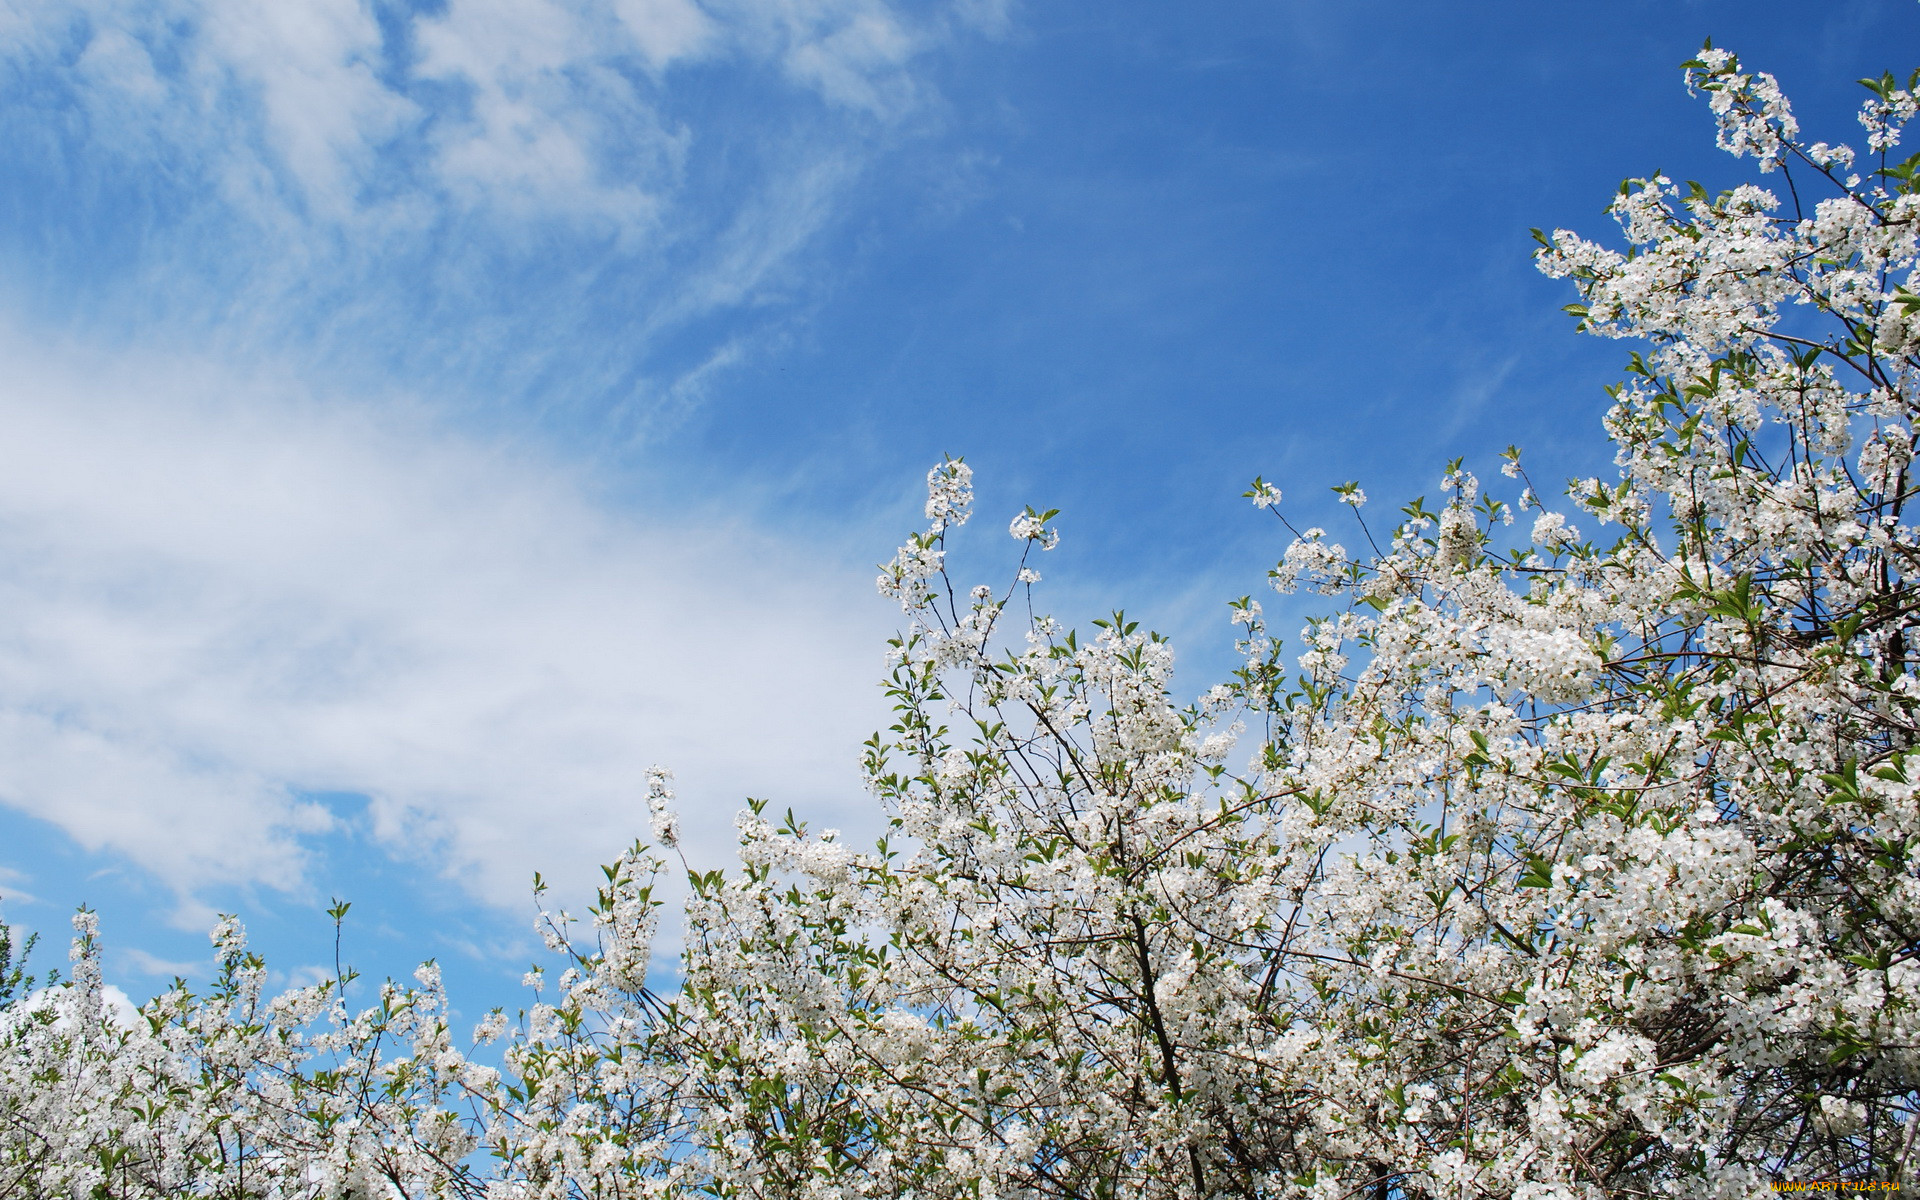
(423, 418)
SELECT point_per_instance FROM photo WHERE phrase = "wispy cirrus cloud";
(471, 190)
(491, 100)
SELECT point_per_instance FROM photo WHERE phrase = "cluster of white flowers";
(1755, 119)
(1310, 560)
(1588, 870)
(661, 819)
(232, 1093)
(1031, 526)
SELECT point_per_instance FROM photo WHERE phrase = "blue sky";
(419, 418)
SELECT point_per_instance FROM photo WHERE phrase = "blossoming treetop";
(1574, 854)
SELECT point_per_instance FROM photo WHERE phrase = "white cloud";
(853, 52)
(539, 108)
(222, 596)
(664, 29)
(155, 967)
(13, 887)
(303, 170)
(120, 1007)
(312, 65)
(545, 109)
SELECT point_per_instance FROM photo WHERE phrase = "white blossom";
(1588, 870)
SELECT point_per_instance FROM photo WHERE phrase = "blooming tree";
(1556, 861)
